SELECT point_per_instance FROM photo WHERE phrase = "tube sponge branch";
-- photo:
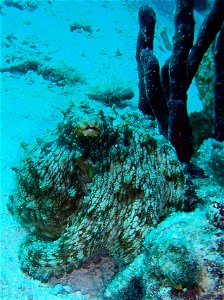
(219, 88)
(175, 123)
(165, 79)
(209, 29)
(164, 93)
(147, 21)
(183, 42)
(179, 132)
(154, 91)
(179, 129)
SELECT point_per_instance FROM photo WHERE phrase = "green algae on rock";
(110, 94)
(79, 26)
(181, 259)
(202, 127)
(211, 156)
(205, 81)
(29, 5)
(57, 72)
(79, 193)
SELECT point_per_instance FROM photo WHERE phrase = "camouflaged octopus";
(98, 182)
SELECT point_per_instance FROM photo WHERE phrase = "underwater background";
(57, 55)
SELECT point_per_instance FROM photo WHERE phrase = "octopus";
(102, 182)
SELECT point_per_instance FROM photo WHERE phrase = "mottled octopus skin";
(98, 182)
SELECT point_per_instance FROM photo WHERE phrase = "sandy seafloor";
(31, 105)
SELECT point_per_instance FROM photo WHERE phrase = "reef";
(104, 182)
(96, 183)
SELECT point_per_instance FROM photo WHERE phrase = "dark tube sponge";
(147, 20)
(165, 79)
(219, 87)
(183, 41)
(206, 35)
(143, 103)
(201, 5)
(154, 89)
(179, 131)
